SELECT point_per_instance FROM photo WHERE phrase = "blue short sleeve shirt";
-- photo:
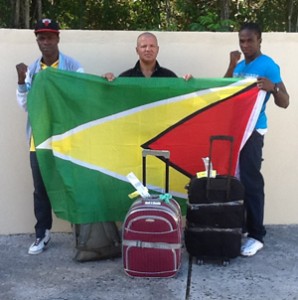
(262, 66)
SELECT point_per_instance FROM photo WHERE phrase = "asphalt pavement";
(271, 274)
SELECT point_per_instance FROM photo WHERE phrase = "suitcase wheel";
(225, 262)
(199, 261)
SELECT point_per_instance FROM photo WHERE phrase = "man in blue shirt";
(267, 72)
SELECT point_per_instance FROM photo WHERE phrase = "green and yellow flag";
(89, 134)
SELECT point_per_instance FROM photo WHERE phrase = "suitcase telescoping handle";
(227, 138)
(216, 184)
(157, 153)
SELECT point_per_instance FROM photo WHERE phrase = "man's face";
(48, 43)
(250, 43)
(147, 48)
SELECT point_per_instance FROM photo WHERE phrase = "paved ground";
(272, 274)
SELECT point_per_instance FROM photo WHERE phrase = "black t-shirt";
(158, 72)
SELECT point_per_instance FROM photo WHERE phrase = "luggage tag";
(205, 173)
(137, 184)
(133, 195)
(142, 191)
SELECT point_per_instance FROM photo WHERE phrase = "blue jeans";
(252, 179)
(42, 205)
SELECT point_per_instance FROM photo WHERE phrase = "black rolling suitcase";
(215, 213)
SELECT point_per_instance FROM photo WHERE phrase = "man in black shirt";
(147, 65)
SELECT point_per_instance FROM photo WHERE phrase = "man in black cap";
(47, 37)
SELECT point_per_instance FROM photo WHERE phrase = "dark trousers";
(252, 179)
(42, 205)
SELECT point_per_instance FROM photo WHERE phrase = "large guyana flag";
(89, 134)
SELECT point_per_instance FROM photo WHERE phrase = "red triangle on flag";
(226, 117)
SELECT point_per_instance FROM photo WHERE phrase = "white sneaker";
(251, 246)
(39, 244)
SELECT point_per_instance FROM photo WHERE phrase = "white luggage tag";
(205, 173)
(137, 184)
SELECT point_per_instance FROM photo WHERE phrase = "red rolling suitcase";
(152, 232)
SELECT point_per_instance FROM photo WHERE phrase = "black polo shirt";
(158, 72)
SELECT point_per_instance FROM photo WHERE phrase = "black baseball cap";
(46, 25)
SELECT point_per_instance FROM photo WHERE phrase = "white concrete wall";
(202, 54)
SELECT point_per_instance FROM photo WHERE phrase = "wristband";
(22, 88)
